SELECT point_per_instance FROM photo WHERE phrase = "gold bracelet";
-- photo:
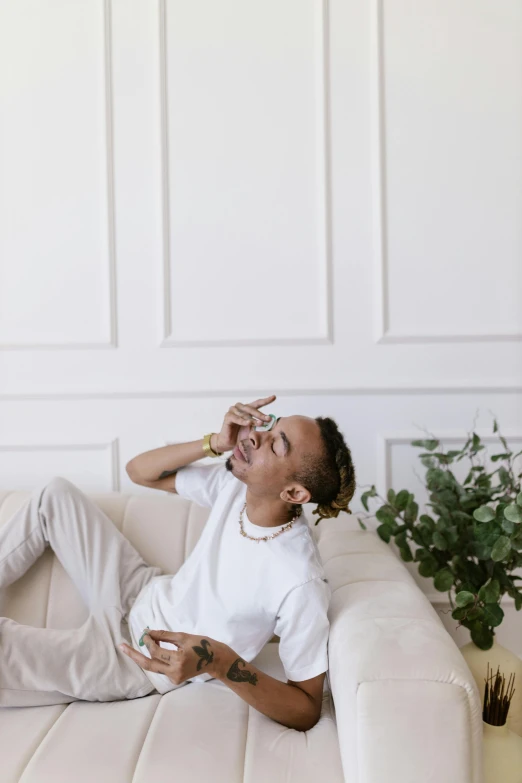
(207, 448)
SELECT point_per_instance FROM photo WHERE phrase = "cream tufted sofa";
(399, 706)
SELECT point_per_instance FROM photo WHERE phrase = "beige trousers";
(49, 666)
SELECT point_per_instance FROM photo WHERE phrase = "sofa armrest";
(406, 704)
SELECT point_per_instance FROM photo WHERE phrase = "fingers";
(248, 413)
(243, 418)
(150, 664)
(263, 401)
(252, 411)
(150, 644)
(169, 637)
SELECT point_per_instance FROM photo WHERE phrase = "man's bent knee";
(60, 485)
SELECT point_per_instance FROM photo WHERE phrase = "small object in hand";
(141, 642)
(267, 425)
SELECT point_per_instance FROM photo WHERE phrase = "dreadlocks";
(329, 476)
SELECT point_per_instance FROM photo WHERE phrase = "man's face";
(272, 456)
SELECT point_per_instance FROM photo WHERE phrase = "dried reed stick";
(497, 698)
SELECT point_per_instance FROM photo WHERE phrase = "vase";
(502, 754)
(477, 661)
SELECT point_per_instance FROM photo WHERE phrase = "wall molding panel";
(108, 449)
(167, 338)
(384, 334)
(112, 339)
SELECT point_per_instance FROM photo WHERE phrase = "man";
(255, 571)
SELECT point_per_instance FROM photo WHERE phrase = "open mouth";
(237, 453)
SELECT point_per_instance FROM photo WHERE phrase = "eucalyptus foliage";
(471, 541)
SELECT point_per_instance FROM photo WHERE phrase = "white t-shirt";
(239, 591)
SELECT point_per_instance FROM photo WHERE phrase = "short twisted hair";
(330, 475)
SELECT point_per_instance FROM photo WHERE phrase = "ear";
(296, 494)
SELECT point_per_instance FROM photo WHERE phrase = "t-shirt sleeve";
(303, 628)
(202, 483)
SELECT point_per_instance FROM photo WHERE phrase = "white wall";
(208, 202)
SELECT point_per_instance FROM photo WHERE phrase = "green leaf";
(452, 536)
(384, 532)
(496, 457)
(484, 514)
(401, 499)
(400, 539)
(443, 580)
(519, 499)
(444, 459)
(430, 445)
(516, 543)
(391, 497)
(480, 549)
(513, 513)
(417, 535)
(499, 512)
(385, 515)
(370, 493)
(406, 554)
(464, 598)
(411, 511)
(475, 612)
(490, 593)
(504, 477)
(427, 520)
(493, 614)
(507, 526)
(501, 548)
(439, 541)
(482, 636)
(428, 566)
(435, 477)
(459, 614)
(361, 523)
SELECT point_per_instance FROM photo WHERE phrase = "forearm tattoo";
(205, 656)
(167, 473)
(241, 675)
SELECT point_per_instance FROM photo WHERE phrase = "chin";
(232, 463)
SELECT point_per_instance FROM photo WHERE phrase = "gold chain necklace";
(266, 538)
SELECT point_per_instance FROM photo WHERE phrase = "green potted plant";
(470, 542)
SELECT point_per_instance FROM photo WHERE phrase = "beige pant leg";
(51, 666)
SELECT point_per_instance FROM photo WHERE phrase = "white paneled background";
(203, 202)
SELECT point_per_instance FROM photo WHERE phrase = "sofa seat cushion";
(202, 731)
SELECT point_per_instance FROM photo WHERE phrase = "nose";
(254, 440)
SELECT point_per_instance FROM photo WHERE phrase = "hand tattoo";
(204, 655)
(241, 675)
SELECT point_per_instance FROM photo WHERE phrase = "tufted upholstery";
(400, 704)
